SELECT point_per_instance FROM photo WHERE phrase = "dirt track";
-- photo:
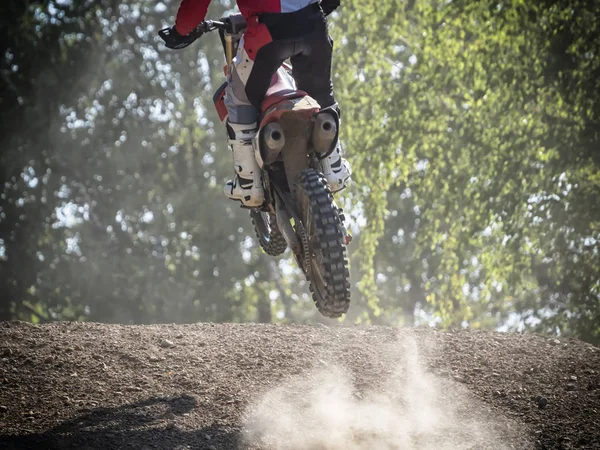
(212, 386)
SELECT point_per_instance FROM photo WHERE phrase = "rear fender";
(303, 108)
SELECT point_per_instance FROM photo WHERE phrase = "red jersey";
(192, 12)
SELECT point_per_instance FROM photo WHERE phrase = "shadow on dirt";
(148, 424)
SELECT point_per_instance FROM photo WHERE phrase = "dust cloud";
(326, 409)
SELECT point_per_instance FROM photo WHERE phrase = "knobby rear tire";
(332, 298)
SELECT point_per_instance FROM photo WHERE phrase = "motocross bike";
(299, 211)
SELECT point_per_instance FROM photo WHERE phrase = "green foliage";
(485, 128)
(113, 165)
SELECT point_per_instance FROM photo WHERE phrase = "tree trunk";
(5, 305)
(264, 310)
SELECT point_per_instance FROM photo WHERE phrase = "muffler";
(324, 132)
(273, 141)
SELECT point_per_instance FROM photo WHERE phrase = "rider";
(276, 30)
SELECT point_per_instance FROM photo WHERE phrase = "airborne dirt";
(226, 386)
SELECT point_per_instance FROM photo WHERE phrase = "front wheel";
(269, 237)
(328, 273)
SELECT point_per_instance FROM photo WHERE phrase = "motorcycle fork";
(231, 39)
(228, 49)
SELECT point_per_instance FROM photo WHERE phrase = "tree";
(480, 127)
(130, 223)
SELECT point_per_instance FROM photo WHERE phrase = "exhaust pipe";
(324, 132)
(273, 141)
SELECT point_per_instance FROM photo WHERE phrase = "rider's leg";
(241, 128)
(248, 82)
(311, 69)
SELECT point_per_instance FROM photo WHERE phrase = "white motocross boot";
(247, 185)
(336, 170)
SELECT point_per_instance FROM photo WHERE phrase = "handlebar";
(210, 25)
(176, 41)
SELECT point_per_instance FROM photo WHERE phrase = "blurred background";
(473, 129)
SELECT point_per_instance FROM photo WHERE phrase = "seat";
(279, 90)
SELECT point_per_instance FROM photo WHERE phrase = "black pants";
(301, 36)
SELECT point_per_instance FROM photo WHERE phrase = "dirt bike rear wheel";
(329, 277)
(269, 237)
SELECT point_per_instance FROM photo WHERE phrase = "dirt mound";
(226, 386)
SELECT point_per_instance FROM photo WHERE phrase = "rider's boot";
(247, 185)
(336, 170)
